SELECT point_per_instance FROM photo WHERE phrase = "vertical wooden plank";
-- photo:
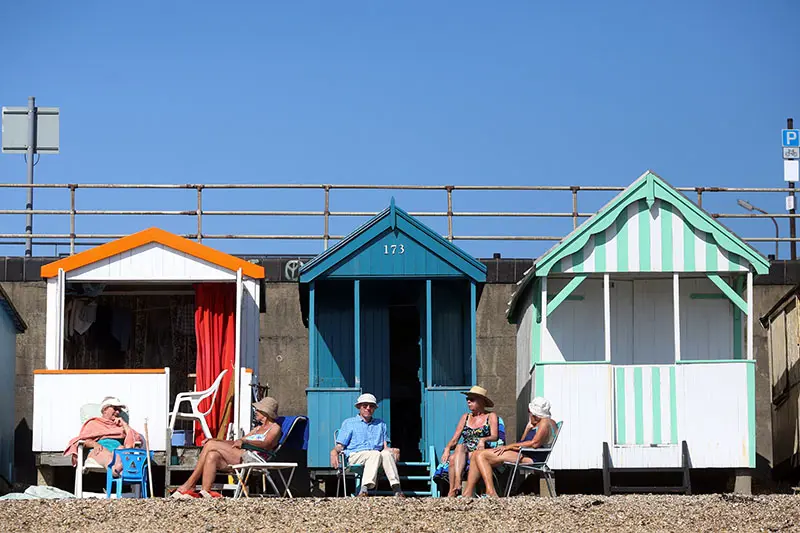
(543, 324)
(473, 332)
(428, 332)
(312, 337)
(607, 315)
(750, 315)
(357, 325)
(237, 356)
(676, 305)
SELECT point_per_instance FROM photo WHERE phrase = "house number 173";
(393, 249)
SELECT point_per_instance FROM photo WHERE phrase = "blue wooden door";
(375, 374)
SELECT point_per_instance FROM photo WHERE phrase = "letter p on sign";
(791, 137)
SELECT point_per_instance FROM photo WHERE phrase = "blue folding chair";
(134, 470)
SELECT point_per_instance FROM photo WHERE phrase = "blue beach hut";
(390, 310)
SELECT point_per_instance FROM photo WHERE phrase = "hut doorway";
(405, 385)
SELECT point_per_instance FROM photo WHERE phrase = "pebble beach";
(717, 512)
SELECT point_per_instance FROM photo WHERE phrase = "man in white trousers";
(364, 440)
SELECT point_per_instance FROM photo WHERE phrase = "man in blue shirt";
(363, 439)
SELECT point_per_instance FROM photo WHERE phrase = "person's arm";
(271, 439)
(494, 432)
(385, 435)
(342, 440)
(541, 437)
(453, 441)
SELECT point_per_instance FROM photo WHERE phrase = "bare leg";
(456, 471)
(474, 474)
(211, 445)
(490, 460)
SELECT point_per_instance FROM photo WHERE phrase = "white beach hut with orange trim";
(150, 264)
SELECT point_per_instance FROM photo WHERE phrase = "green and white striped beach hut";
(638, 327)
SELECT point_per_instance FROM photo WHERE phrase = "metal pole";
(449, 189)
(72, 219)
(326, 215)
(792, 221)
(29, 153)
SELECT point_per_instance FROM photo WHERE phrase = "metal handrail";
(326, 214)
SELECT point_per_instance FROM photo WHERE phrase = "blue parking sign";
(791, 137)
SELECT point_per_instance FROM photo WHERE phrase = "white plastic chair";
(194, 399)
(85, 465)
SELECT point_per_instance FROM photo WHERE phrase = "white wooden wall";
(581, 397)
(154, 262)
(575, 328)
(58, 397)
(712, 412)
(706, 325)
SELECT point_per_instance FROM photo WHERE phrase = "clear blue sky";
(549, 93)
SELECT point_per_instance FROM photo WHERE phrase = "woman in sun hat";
(218, 454)
(539, 433)
(474, 430)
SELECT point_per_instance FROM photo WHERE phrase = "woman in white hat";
(218, 454)
(473, 431)
(539, 433)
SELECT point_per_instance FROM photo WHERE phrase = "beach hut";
(391, 311)
(638, 327)
(782, 323)
(11, 325)
(128, 318)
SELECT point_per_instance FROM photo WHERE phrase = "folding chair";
(243, 470)
(344, 469)
(540, 457)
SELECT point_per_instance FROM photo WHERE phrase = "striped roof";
(649, 227)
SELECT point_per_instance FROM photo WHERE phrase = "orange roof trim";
(125, 244)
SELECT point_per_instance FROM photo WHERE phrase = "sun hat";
(479, 391)
(539, 407)
(114, 402)
(366, 398)
(267, 405)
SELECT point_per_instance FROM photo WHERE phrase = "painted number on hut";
(394, 249)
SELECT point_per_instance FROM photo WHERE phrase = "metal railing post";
(449, 189)
(199, 213)
(326, 215)
(72, 188)
(699, 196)
(574, 190)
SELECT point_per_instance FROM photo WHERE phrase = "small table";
(244, 470)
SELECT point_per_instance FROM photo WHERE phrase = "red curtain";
(214, 326)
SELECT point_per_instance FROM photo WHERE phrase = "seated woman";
(219, 454)
(103, 434)
(539, 433)
(474, 430)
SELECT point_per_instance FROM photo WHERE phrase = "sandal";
(177, 494)
(210, 494)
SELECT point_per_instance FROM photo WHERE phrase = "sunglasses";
(472, 399)
(368, 406)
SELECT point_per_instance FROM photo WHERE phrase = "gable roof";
(393, 219)
(8, 307)
(648, 188)
(153, 235)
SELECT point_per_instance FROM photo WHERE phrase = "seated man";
(103, 434)
(363, 439)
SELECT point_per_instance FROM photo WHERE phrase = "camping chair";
(134, 471)
(442, 473)
(540, 457)
(85, 465)
(243, 470)
(344, 469)
(194, 399)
